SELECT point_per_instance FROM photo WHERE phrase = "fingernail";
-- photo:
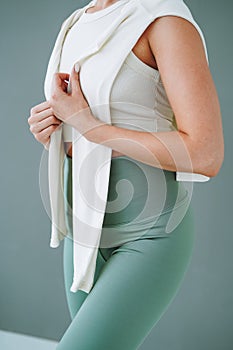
(77, 67)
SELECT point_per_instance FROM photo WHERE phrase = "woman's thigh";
(75, 300)
(134, 288)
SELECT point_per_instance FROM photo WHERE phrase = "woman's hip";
(142, 202)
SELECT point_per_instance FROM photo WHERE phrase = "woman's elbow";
(217, 166)
(210, 165)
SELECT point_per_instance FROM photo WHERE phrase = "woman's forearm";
(172, 150)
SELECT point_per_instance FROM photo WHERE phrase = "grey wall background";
(32, 291)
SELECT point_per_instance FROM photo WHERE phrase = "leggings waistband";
(137, 190)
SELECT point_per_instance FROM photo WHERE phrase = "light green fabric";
(134, 282)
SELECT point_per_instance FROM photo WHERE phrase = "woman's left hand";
(71, 108)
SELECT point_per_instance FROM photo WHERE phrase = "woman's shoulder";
(179, 11)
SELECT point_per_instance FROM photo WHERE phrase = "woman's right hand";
(43, 122)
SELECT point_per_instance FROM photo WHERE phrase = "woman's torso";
(138, 80)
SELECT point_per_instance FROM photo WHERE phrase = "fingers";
(59, 82)
(40, 107)
(44, 136)
(40, 115)
(44, 124)
(62, 76)
(75, 83)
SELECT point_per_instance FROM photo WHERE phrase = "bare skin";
(172, 45)
(141, 49)
(46, 123)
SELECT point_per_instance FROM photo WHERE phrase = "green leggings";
(134, 282)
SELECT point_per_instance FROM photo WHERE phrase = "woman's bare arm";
(186, 76)
(198, 145)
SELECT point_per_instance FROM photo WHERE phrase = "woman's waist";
(137, 192)
(68, 150)
(140, 191)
